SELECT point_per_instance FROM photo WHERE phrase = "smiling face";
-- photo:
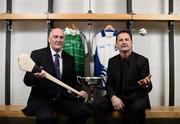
(56, 39)
(124, 42)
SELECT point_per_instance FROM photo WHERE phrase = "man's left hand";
(145, 82)
(83, 94)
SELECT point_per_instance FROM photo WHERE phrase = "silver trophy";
(91, 83)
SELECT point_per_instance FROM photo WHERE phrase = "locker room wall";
(30, 35)
(2, 62)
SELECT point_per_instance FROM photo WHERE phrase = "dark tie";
(57, 67)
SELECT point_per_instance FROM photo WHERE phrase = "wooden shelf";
(155, 17)
(28, 16)
(60, 16)
(95, 16)
(174, 17)
(151, 17)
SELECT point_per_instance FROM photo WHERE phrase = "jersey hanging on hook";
(76, 45)
(104, 47)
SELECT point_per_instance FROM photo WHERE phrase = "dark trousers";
(133, 112)
(76, 111)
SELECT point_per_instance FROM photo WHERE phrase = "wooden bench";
(11, 111)
(155, 112)
(159, 112)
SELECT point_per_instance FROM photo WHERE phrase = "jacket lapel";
(132, 67)
(118, 71)
(49, 61)
(65, 64)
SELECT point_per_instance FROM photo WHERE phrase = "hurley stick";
(27, 64)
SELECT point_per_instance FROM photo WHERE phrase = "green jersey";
(75, 46)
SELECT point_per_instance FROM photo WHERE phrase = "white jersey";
(103, 49)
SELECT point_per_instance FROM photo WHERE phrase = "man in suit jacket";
(46, 96)
(128, 85)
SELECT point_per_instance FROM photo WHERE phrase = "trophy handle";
(79, 80)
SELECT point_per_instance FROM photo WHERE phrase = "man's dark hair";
(124, 31)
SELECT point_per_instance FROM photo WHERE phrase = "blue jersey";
(104, 47)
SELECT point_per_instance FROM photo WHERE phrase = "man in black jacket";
(46, 96)
(128, 85)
